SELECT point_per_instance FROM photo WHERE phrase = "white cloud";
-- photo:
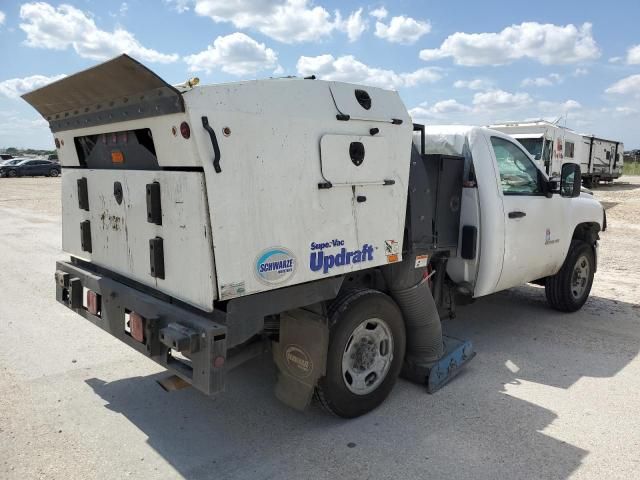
(348, 69)
(558, 108)
(492, 107)
(626, 86)
(625, 111)
(546, 43)
(66, 26)
(237, 54)
(355, 25)
(616, 60)
(499, 99)
(379, 13)
(405, 30)
(580, 72)
(475, 84)
(179, 6)
(633, 55)
(2, 17)
(439, 109)
(288, 21)
(548, 81)
(15, 87)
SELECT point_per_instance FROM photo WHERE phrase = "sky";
(463, 62)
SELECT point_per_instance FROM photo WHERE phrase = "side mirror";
(570, 180)
(552, 186)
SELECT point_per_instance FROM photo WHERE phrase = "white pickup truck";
(207, 224)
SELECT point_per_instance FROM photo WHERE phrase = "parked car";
(5, 156)
(30, 168)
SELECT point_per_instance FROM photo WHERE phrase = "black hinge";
(343, 117)
(83, 194)
(85, 235)
(156, 257)
(154, 205)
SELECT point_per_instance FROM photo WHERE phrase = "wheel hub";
(580, 277)
(367, 356)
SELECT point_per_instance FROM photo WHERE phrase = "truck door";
(533, 222)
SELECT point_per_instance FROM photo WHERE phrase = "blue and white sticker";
(275, 265)
(319, 260)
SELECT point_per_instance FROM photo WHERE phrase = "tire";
(366, 351)
(568, 290)
(588, 183)
(54, 172)
(12, 174)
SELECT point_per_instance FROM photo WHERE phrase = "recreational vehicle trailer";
(552, 145)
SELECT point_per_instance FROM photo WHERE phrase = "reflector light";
(185, 130)
(57, 143)
(117, 156)
(93, 302)
(136, 324)
(218, 362)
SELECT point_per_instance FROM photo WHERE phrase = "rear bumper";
(167, 328)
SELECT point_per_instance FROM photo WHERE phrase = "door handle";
(517, 214)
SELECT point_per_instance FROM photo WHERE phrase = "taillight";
(136, 325)
(117, 157)
(185, 130)
(93, 302)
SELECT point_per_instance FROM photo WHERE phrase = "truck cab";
(523, 228)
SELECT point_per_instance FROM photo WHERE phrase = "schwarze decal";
(275, 265)
(320, 260)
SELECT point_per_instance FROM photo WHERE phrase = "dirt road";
(549, 395)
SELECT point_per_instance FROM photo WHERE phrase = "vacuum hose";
(411, 291)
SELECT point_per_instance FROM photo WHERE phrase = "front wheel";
(366, 351)
(569, 289)
(12, 174)
(54, 172)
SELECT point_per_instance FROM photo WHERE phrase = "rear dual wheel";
(366, 351)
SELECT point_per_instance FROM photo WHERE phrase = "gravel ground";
(549, 395)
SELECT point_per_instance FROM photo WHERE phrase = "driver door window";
(518, 174)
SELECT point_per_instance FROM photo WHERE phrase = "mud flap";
(301, 356)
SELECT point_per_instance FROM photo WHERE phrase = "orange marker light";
(117, 157)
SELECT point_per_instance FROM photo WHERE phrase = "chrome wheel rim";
(580, 277)
(367, 356)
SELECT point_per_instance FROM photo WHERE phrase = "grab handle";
(214, 142)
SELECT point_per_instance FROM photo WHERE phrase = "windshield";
(533, 146)
(13, 161)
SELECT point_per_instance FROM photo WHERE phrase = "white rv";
(553, 145)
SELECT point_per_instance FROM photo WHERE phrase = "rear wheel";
(366, 351)
(569, 289)
(12, 173)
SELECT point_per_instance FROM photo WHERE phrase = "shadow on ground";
(470, 429)
(616, 186)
